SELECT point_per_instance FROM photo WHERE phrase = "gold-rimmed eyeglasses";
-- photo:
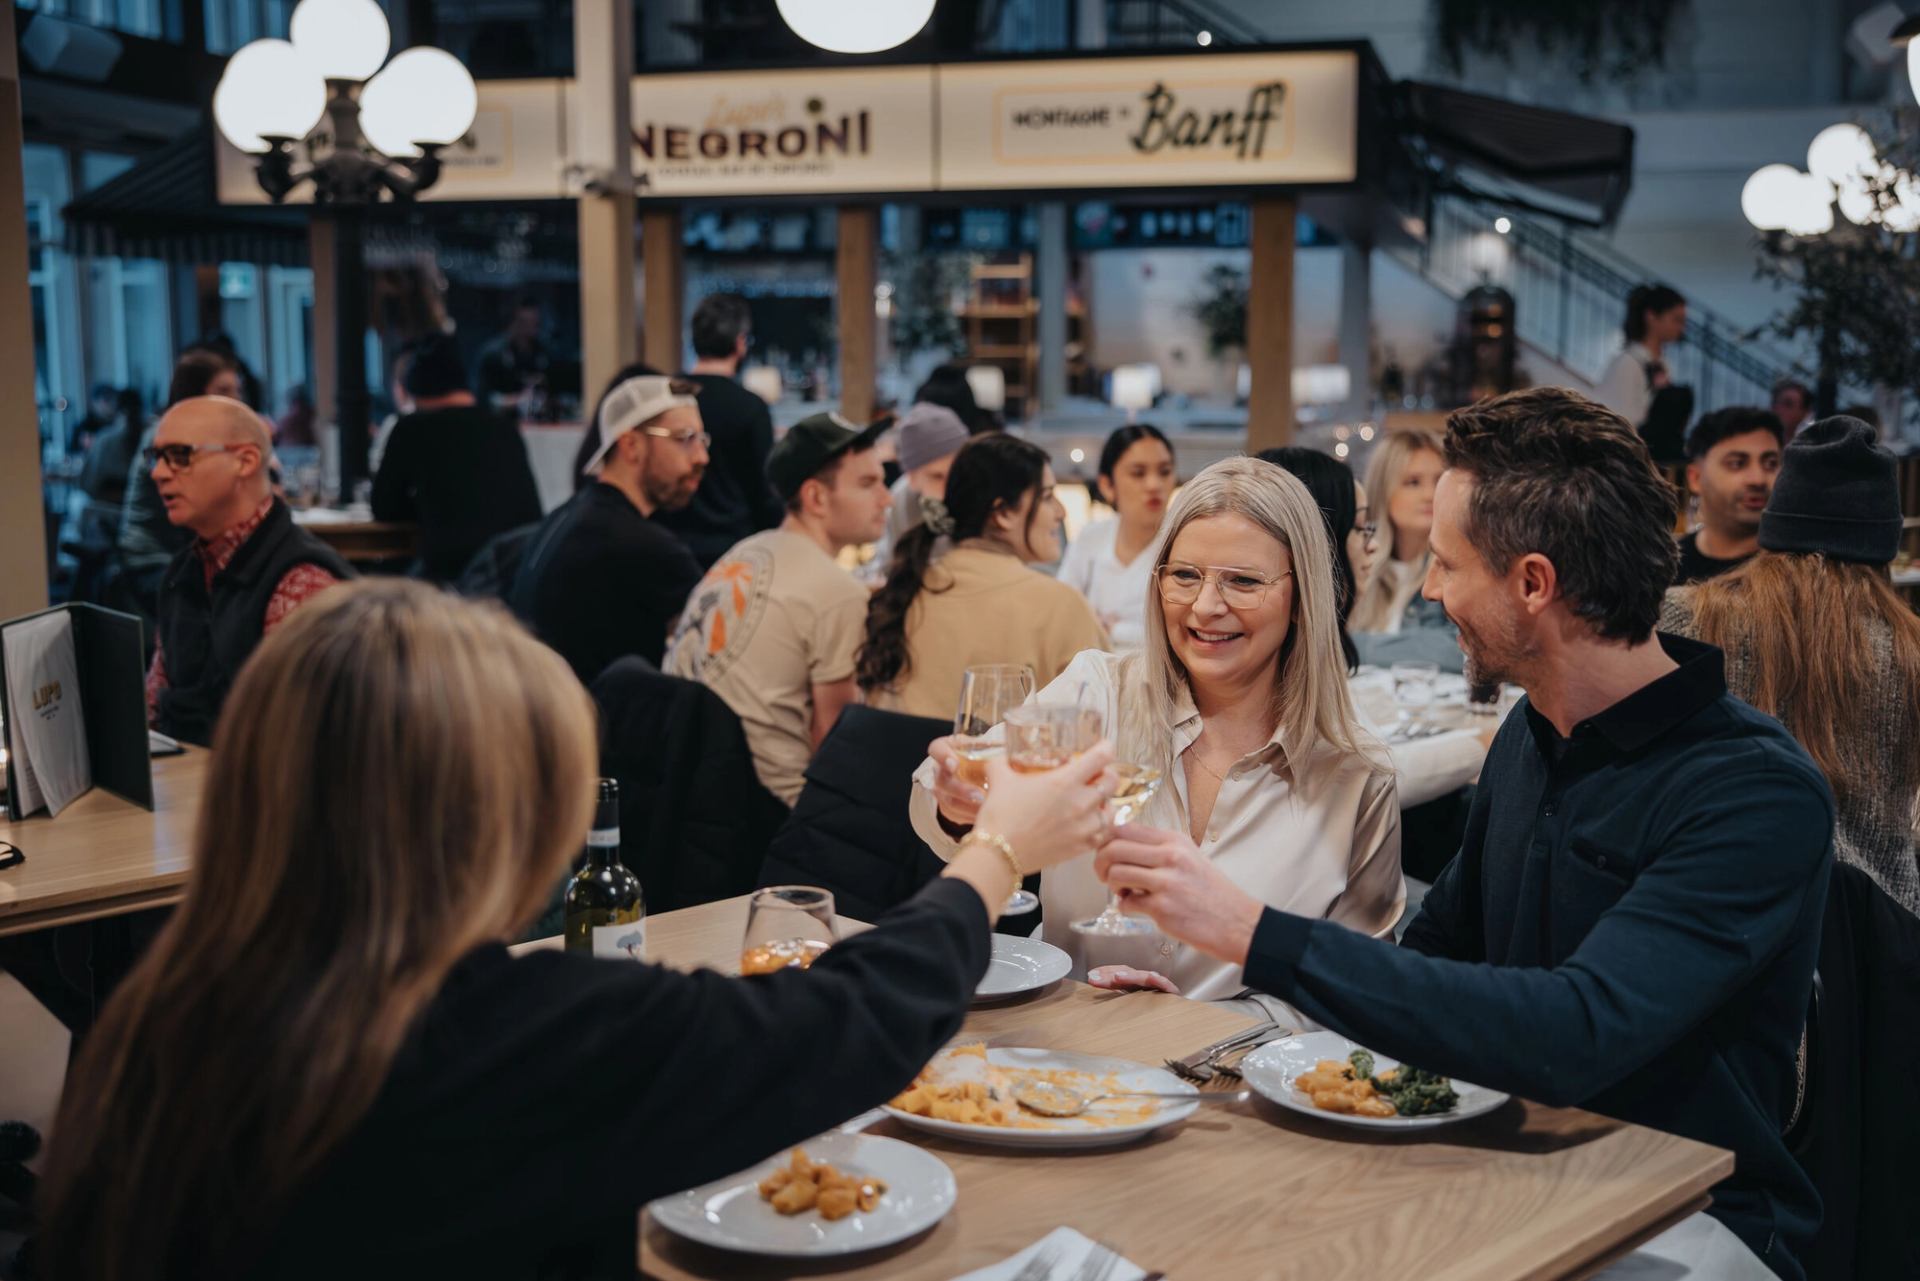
(1181, 584)
(686, 440)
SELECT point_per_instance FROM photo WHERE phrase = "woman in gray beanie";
(1816, 636)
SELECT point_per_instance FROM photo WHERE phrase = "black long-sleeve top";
(541, 1101)
(1631, 926)
(462, 474)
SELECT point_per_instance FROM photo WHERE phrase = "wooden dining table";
(1526, 1193)
(104, 856)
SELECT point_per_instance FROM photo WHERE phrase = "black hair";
(436, 369)
(947, 386)
(1331, 483)
(717, 324)
(990, 473)
(591, 441)
(195, 371)
(1654, 298)
(1121, 439)
(1736, 420)
(1794, 384)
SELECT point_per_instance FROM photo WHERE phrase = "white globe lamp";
(1841, 154)
(269, 90)
(343, 39)
(1810, 212)
(853, 26)
(423, 96)
(1770, 195)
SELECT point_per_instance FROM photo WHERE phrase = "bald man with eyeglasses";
(248, 567)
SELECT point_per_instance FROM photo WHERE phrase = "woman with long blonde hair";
(1816, 637)
(1239, 697)
(328, 1064)
(1390, 621)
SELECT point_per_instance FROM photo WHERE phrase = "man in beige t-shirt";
(774, 625)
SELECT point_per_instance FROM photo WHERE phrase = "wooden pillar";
(663, 258)
(855, 269)
(603, 119)
(1270, 325)
(326, 357)
(23, 536)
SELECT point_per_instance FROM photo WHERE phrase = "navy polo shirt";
(1630, 926)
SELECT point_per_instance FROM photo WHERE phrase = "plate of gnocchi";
(833, 1195)
(1324, 1075)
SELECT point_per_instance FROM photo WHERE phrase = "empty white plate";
(731, 1214)
(1021, 965)
(1273, 1068)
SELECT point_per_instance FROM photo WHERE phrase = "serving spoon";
(1056, 1100)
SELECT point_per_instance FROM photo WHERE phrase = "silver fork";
(1039, 1267)
(1196, 1066)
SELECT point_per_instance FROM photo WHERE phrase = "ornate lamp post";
(385, 127)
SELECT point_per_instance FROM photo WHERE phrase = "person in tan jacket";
(962, 590)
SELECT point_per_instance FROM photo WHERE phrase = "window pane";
(100, 167)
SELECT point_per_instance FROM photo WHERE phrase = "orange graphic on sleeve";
(739, 576)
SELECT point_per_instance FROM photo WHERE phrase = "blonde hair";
(1373, 601)
(1311, 702)
(1822, 681)
(398, 777)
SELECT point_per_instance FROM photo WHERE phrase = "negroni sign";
(774, 132)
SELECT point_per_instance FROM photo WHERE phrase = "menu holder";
(107, 747)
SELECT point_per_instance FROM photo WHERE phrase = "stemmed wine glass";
(1131, 794)
(1043, 737)
(989, 693)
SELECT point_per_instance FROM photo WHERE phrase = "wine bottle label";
(604, 838)
(621, 942)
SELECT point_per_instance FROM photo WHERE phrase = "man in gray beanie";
(925, 440)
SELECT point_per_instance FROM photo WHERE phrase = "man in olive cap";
(774, 625)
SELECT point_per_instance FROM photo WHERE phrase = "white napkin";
(1070, 1255)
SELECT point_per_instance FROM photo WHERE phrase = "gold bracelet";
(1000, 843)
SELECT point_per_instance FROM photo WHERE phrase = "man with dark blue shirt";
(1633, 918)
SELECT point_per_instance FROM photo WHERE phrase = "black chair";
(849, 832)
(694, 818)
(1858, 1126)
(493, 567)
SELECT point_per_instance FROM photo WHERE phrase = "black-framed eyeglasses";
(686, 440)
(11, 855)
(1181, 584)
(180, 457)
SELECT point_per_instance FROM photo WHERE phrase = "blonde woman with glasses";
(1239, 697)
(1391, 622)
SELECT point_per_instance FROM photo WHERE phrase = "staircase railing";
(1570, 291)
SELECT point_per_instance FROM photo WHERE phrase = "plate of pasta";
(967, 1092)
(835, 1194)
(1324, 1075)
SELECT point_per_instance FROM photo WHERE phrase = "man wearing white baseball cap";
(600, 579)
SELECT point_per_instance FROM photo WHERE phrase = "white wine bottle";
(605, 913)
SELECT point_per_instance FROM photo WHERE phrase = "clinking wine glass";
(788, 927)
(1131, 794)
(1043, 737)
(987, 693)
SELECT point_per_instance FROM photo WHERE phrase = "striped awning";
(164, 207)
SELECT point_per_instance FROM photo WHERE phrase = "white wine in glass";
(987, 693)
(1136, 787)
(1043, 737)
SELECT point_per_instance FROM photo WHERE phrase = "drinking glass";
(1043, 737)
(987, 694)
(1483, 698)
(788, 927)
(1131, 794)
(1413, 688)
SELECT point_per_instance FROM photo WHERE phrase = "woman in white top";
(1110, 563)
(1425, 769)
(1240, 698)
(1656, 316)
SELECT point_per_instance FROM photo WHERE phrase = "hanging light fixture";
(856, 26)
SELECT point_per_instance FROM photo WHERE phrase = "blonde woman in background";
(1239, 697)
(1391, 622)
